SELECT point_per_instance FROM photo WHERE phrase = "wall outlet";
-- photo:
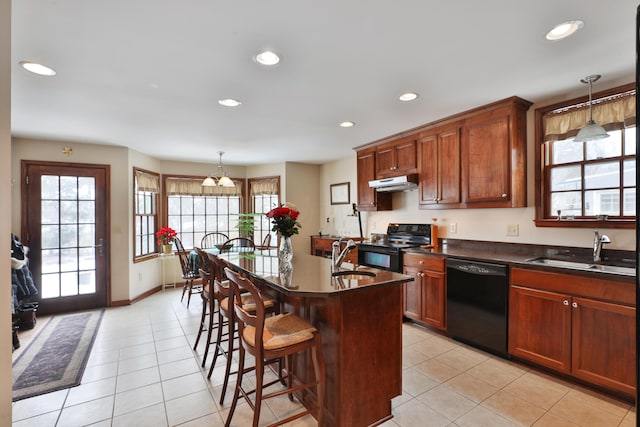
(513, 230)
(328, 221)
(453, 228)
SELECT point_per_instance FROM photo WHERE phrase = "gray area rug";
(56, 358)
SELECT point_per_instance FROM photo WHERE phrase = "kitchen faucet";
(598, 241)
(338, 258)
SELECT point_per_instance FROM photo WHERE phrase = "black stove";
(386, 251)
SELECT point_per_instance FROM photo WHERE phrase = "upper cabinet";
(493, 152)
(475, 159)
(439, 161)
(368, 198)
(396, 158)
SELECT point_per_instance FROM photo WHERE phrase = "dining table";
(358, 312)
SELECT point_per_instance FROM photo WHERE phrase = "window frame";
(542, 173)
(165, 203)
(155, 215)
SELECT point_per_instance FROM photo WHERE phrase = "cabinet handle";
(565, 302)
(504, 195)
(421, 262)
(574, 304)
(422, 275)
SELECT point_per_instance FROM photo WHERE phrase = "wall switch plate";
(453, 228)
(513, 230)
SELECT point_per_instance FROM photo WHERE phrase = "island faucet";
(337, 256)
(598, 241)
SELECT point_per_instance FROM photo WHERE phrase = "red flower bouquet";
(284, 219)
(166, 235)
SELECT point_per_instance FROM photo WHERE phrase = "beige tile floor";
(142, 372)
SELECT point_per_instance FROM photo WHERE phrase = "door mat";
(57, 356)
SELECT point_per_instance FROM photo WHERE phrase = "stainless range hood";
(398, 183)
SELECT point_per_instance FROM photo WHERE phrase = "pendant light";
(222, 181)
(591, 131)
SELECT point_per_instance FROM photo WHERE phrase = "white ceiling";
(147, 74)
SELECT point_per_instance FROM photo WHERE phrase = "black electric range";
(386, 252)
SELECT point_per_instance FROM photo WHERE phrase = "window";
(264, 197)
(146, 188)
(582, 183)
(194, 210)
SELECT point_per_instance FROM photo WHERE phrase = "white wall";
(5, 209)
(301, 183)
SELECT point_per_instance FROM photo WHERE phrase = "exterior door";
(65, 224)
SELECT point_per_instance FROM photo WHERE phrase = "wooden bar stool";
(269, 339)
(226, 317)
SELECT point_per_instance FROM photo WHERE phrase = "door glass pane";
(69, 284)
(87, 282)
(601, 175)
(50, 285)
(87, 212)
(50, 236)
(86, 188)
(50, 261)
(49, 212)
(49, 187)
(68, 259)
(68, 236)
(68, 188)
(87, 259)
(87, 235)
(68, 212)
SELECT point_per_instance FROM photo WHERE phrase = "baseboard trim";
(122, 303)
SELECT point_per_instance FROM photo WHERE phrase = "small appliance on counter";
(385, 250)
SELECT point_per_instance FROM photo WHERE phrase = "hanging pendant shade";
(591, 130)
(222, 181)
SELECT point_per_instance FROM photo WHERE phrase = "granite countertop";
(310, 275)
(521, 255)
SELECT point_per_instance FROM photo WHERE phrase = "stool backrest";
(255, 318)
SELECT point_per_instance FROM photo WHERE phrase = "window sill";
(586, 223)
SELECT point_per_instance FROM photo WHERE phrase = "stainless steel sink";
(585, 266)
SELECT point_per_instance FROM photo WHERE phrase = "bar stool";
(269, 339)
(226, 317)
(209, 302)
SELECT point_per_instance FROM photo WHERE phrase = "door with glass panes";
(65, 221)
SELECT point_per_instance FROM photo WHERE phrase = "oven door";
(380, 257)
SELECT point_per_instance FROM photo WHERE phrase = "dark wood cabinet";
(396, 158)
(439, 162)
(425, 297)
(368, 198)
(581, 326)
(493, 152)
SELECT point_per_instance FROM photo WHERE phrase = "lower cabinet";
(580, 326)
(425, 297)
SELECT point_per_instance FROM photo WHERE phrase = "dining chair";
(269, 339)
(189, 276)
(238, 244)
(213, 240)
(226, 317)
(209, 307)
(266, 243)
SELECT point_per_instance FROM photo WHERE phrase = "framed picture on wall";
(340, 193)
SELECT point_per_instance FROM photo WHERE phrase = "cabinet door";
(406, 159)
(433, 298)
(413, 294)
(540, 327)
(368, 199)
(428, 185)
(385, 161)
(486, 152)
(449, 166)
(604, 344)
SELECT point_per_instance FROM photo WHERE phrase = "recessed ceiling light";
(347, 124)
(229, 102)
(267, 58)
(563, 30)
(36, 68)
(409, 96)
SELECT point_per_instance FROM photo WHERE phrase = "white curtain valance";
(267, 186)
(615, 113)
(147, 182)
(193, 187)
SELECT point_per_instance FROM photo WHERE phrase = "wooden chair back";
(184, 258)
(211, 240)
(239, 244)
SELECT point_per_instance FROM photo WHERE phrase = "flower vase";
(285, 252)
(167, 249)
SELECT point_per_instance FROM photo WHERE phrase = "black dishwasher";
(477, 304)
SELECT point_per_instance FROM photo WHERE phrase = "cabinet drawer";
(426, 262)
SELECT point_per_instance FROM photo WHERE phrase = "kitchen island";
(360, 319)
